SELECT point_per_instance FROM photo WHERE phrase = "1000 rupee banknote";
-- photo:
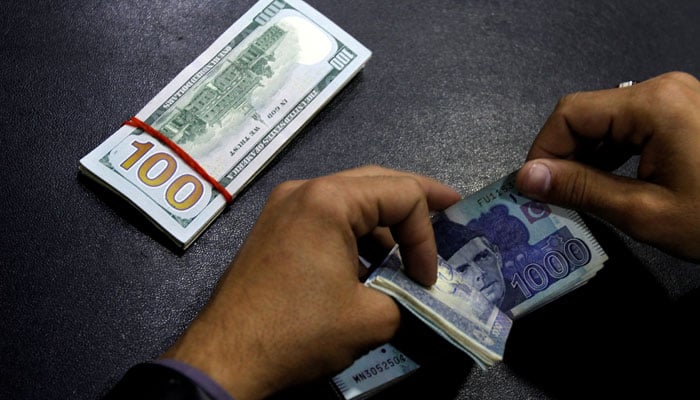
(233, 109)
(499, 254)
(520, 253)
(458, 312)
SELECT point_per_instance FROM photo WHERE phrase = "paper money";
(370, 373)
(500, 255)
(458, 312)
(520, 253)
(233, 109)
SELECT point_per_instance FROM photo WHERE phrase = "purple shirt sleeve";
(198, 377)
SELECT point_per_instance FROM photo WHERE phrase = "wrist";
(194, 375)
(222, 359)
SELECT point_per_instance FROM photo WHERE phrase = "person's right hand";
(291, 308)
(591, 133)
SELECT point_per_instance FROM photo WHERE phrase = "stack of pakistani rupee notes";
(500, 256)
(231, 110)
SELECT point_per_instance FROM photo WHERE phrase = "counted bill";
(455, 310)
(500, 256)
(232, 110)
(518, 252)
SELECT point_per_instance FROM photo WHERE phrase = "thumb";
(625, 202)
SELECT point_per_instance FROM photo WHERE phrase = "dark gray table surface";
(455, 90)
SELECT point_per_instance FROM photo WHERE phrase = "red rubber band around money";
(137, 123)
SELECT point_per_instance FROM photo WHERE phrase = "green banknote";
(232, 110)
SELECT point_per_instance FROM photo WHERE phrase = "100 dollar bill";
(233, 109)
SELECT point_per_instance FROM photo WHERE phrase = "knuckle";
(566, 102)
(323, 195)
(679, 76)
(413, 185)
(374, 169)
(672, 89)
(645, 218)
(565, 107)
(282, 190)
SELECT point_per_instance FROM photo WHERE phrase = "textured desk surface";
(455, 90)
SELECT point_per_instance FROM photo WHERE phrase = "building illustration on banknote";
(227, 92)
(231, 110)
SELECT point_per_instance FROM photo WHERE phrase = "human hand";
(591, 133)
(290, 308)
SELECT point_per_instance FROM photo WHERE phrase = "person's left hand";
(290, 308)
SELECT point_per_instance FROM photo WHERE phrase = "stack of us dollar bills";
(500, 256)
(232, 110)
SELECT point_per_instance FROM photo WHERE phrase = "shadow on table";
(128, 212)
(442, 370)
(618, 335)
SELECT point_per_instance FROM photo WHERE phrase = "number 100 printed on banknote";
(232, 110)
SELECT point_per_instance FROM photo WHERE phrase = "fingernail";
(538, 179)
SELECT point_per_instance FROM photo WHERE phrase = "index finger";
(584, 116)
(439, 195)
(622, 115)
(400, 203)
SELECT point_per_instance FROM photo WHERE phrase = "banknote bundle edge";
(233, 109)
(541, 252)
